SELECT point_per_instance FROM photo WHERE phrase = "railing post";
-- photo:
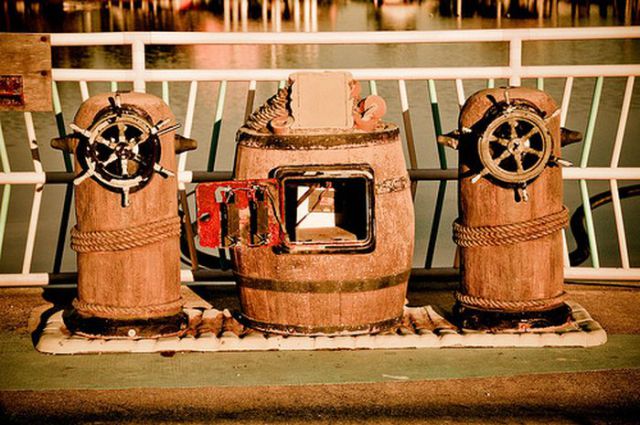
(138, 65)
(515, 61)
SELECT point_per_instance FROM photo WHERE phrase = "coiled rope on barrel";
(123, 239)
(275, 106)
(119, 312)
(506, 305)
(508, 234)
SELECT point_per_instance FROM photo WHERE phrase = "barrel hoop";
(123, 239)
(504, 305)
(101, 310)
(318, 141)
(509, 234)
(393, 184)
(323, 286)
(311, 330)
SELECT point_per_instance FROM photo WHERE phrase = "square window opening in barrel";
(327, 209)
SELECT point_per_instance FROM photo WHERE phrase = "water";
(331, 16)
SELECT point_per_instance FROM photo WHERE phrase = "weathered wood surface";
(330, 293)
(523, 271)
(28, 57)
(143, 276)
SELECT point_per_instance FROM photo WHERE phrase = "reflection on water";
(303, 15)
(311, 15)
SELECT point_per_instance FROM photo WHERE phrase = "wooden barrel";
(338, 291)
(128, 256)
(517, 275)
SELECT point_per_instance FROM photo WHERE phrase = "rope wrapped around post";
(508, 305)
(115, 312)
(509, 234)
(123, 239)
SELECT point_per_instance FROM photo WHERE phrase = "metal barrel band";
(117, 312)
(508, 234)
(124, 239)
(321, 330)
(324, 287)
(507, 305)
(393, 184)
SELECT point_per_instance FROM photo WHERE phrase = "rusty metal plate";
(235, 213)
(25, 72)
(11, 90)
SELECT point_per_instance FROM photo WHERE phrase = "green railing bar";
(114, 86)
(491, 83)
(68, 194)
(540, 83)
(442, 187)
(217, 125)
(591, 125)
(584, 160)
(588, 216)
(373, 87)
(6, 193)
(165, 92)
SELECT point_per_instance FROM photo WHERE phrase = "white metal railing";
(514, 71)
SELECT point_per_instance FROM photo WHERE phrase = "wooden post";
(503, 284)
(128, 245)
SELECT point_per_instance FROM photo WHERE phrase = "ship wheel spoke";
(109, 143)
(504, 155)
(513, 132)
(518, 159)
(125, 197)
(499, 140)
(122, 127)
(530, 133)
(139, 159)
(124, 165)
(532, 151)
(137, 141)
(162, 171)
(109, 160)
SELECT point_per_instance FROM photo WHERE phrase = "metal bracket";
(238, 213)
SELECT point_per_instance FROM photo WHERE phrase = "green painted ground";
(25, 369)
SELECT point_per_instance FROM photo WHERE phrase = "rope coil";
(124, 239)
(276, 106)
(504, 305)
(109, 311)
(509, 234)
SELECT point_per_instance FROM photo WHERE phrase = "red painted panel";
(227, 209)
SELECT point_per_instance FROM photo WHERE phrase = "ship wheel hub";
(124, 151)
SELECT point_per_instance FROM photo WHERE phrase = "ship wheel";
(515, 147)
(121, 149)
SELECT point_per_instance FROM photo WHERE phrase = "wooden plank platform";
(422, 327)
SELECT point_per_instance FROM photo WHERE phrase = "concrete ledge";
(212, 330)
